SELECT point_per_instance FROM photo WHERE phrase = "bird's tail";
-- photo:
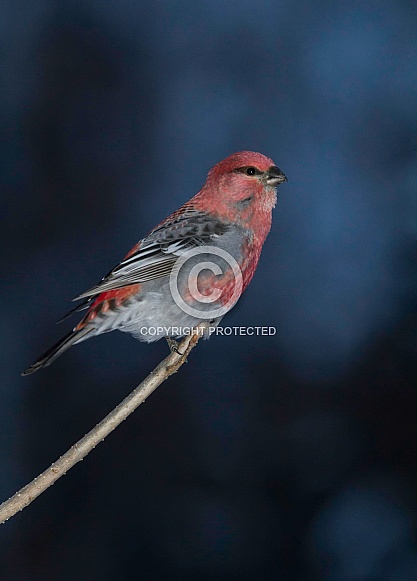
(58, 349)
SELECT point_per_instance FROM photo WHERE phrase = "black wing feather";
(159, 251)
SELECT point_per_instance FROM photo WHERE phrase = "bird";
(192, 267)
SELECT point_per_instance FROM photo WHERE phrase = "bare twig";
(78, 451)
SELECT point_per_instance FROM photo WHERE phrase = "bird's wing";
(157, 253)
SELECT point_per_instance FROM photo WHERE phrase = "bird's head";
(245, 178)
(247, 168)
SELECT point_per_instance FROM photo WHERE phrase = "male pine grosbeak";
(226, 222)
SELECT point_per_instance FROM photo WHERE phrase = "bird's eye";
(248, 170)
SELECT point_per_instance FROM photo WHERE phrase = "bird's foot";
(174, 346)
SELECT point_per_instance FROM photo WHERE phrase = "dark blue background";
(291, 457)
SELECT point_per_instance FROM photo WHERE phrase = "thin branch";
(78, 451)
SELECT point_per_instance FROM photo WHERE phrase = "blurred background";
(292, 457)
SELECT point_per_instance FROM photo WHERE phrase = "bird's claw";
(173, 346)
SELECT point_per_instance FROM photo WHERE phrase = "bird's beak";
(274, 176)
